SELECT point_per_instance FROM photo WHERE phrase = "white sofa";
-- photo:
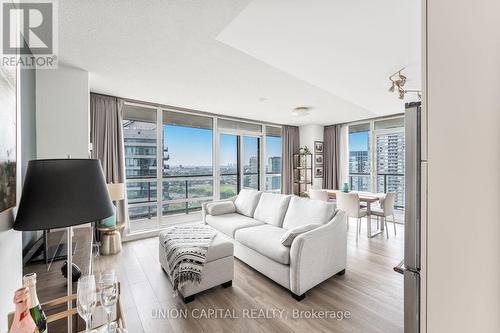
(257, 222)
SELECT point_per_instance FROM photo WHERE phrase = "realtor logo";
(29, 33)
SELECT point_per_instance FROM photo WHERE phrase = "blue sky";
(358, 141)
(193, 146)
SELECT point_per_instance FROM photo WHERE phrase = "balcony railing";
(385, 182)
(392, 182)
(173, 201)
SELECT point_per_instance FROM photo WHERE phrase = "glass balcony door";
(229, 180)
(239, 163)
(251, 162)
(390, 164)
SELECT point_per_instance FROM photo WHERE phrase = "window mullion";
(159, 167)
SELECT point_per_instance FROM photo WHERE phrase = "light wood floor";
(370, 290)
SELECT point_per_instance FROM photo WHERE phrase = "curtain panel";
(290, 146)
(331, 157)
(106, 117)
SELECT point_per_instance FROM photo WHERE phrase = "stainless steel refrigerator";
(414, 164)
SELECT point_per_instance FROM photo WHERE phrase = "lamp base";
(75, 271)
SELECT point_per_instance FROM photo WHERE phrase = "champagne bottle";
(29, 280)
(23, 323)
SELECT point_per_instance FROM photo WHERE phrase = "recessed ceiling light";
(301, 111)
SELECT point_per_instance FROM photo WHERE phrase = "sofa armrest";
(318, 254)
(204, 207)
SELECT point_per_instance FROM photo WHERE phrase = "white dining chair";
(321, 195)
(349, 203)
(386, 210)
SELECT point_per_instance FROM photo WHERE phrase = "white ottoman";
(218, 268)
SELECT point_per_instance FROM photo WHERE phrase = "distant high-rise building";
(391, 165)
(359, 168)
(254, 164)
(140, 162)
(274, 167)
(140, 149)
(274, 164)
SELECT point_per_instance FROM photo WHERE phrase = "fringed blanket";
(186, 249)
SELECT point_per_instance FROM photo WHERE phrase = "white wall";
(62, 122)
(11, 242)
(463, 244)
(307, 135)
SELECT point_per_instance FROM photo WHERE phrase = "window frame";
(215, 177)
(372, 144)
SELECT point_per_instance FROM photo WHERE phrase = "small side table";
(111, 242)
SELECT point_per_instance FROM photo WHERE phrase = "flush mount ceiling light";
(398, 80)
(301, 111)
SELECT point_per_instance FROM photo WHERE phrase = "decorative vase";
(345, 188)
(110, 221)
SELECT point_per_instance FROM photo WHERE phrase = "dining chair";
(386, 210)
(349, 203)
(321, 195)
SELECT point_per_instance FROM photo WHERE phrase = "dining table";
(368, 198)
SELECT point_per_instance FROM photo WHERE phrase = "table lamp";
(116, 193)
(61, 193)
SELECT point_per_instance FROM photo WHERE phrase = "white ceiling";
(253, 59)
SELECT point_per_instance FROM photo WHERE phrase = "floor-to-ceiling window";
(273, 159)
(177, 160)
(359, 157)
(376, 157)
(140, 144)
(186, 162)
(228, 166)
(390, 157)
(251, 162)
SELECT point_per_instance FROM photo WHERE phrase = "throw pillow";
(220, 208)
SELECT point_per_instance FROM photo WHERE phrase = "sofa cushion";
(303, 211)
(221, 207)
(229, 223)
(247, 201)
(289, 236)
(272, 208)
(221, 246)
(265, 239)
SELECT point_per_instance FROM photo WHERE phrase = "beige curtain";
(331, 158)
(106, 116)
(289, 146)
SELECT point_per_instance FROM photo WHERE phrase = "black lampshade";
(62, 193)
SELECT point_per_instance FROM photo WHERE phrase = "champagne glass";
(86, 299)
(108, 286)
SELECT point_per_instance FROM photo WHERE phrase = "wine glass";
(86, 299)
(108, 286)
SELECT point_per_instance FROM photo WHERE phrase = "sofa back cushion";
(272, 208)
(302, 211)
(247, 201)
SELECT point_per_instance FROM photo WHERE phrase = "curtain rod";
(178, 108)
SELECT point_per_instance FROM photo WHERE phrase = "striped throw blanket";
(186, 249)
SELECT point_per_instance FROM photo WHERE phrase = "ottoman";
(218, 268)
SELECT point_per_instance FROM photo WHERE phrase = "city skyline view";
(197, 150)
(389, 163)
(187, 153)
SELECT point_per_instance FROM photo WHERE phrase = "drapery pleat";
(290, 145)
(331, 150)
(343, 169)
(106, 117)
